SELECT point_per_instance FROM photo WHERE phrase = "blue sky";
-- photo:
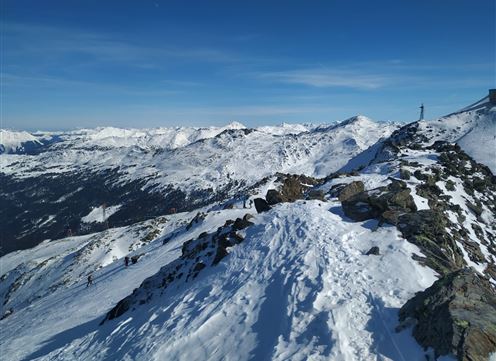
(69, 63)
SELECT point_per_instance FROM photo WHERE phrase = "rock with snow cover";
(456, 315)
(385, 202)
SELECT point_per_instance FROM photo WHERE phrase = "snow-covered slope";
(298, 285)
(473, 128)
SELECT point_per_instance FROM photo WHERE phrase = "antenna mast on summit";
(422, 112)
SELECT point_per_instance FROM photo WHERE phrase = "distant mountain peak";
(235, 125)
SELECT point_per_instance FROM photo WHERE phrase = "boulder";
(456, 315)
(373, 251)
(261, 205)
(358, 208)
(316, 194)
(336, 189)
(388, 203)
(350, 190)
(240, 223)
(274, 197)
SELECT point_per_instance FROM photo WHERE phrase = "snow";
(97, 214)
(10, 141)
(420, 202)
(211, 158)
(299, 285)
(473, 128)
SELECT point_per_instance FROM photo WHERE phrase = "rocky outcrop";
(273, 197)
(456, 315)
(261, 205)
(315, 194)
(293, 187)
(427, 230)
(350, 190)
(208, 249)
(386, 203)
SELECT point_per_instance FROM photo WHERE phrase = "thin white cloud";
(324, 78)
(56, 44)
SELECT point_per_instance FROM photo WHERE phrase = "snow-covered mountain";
(353, 241)
(145, 173)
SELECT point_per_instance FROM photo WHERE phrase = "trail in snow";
(299, 286)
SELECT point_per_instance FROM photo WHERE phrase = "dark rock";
(199, 266)
(359, 208)
(405, 174)
(396, 185)
(7, 313)
(261, 205)
(350, 190)
(120, 308)
(427, 230)
(373, 251)
(135, 258)
(241, 224)
(200, 216)
(456, 315)
(316, 194)
(336, 189)
(274, 197)
(391, 216)
(247, 217)
(389, 202)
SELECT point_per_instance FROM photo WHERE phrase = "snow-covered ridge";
(158, 138)
(473, 128)
(11, 141)
(201, 157)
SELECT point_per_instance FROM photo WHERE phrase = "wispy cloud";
(326, 78)
(56, 44)
(373, 75)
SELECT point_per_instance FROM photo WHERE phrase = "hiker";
(90, 280)
(126, 261)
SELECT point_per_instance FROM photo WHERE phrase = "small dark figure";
(134, 259)
(126, 261)
(90, 280)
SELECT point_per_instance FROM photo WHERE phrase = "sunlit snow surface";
(299, 286)
(218, 157)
